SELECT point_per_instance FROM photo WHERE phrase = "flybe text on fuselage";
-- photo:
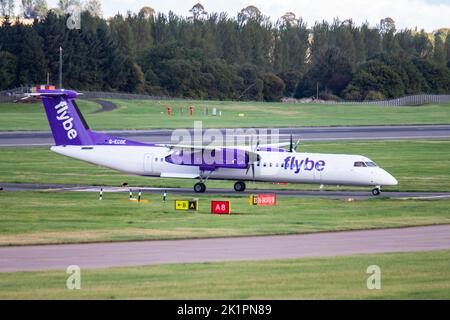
(63, 115)
(298, 165)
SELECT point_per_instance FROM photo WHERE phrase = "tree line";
(214, 56)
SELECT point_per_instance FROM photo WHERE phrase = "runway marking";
(425, 198)
(336, 194)
(298, 136)
(26, 145)
(377, 138)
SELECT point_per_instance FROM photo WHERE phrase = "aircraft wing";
(249, 149)
(194, 147)
(251, 153)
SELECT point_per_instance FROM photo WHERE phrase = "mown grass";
(31, 116)
(421, 275)
(418, 166)
(64, 217)
(137, 114)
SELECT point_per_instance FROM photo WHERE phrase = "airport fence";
(93, 95)
(413, 100)
(13, 94)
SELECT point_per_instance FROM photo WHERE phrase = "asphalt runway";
(106, 106)
(356, 195)
(122, 254)
(41, 138)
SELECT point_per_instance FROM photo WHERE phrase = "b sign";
(184, 205)
(220, 207)
(262, 200)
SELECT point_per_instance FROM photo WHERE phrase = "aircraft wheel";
(376, 191)
(199, 187)
(240, 186)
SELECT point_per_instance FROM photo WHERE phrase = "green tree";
(31, 59)
(252, 84)
(273, 87)
(331, 72)
(63, 5)
(134, 77)
(27, 9)
(40, 8)
(447, 47)
(439, 55)
(375, 76)
(437, 76)
(94, 7)
(291, 80)
(3, 6)
(372, 41)
(8, 69)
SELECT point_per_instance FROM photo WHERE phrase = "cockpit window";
(360, 164)
(371, 164)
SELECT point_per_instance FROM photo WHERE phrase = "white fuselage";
(309, 168)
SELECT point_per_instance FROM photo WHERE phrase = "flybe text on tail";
(67, 121)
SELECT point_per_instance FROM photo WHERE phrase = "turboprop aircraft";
(265, 163)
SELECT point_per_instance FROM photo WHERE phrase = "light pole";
(317, 90)
(60, 67)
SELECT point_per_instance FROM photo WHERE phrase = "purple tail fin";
(65, 119)
(68, 125)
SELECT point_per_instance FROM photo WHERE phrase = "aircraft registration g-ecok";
(73, 138)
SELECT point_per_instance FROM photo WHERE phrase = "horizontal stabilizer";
(55, 93)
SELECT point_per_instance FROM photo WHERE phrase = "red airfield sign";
(220, 207)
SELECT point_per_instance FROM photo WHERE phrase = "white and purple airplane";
(74, 139)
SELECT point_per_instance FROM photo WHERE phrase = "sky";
(427, 14)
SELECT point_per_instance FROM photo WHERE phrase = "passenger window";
(156, 159)
(265, 165)
(371, 164)
(270, 165)
(360, 164)
(282, 165)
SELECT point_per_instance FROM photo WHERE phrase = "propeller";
(252, 159)
(293, 147)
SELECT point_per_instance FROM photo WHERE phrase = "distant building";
(14, 21)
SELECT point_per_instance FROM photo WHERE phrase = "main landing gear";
(240, 186)
(200, 187)
(376, 191)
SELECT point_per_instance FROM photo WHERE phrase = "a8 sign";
(220, 207)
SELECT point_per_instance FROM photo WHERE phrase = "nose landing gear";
(200, 187)
(376, 191)
(239, 186)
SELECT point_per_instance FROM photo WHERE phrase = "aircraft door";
(148, 163)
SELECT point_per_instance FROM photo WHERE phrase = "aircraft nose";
(388, 179)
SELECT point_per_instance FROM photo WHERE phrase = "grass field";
(423, 275)
(48, 217)
(135, 114)
(418, 165)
